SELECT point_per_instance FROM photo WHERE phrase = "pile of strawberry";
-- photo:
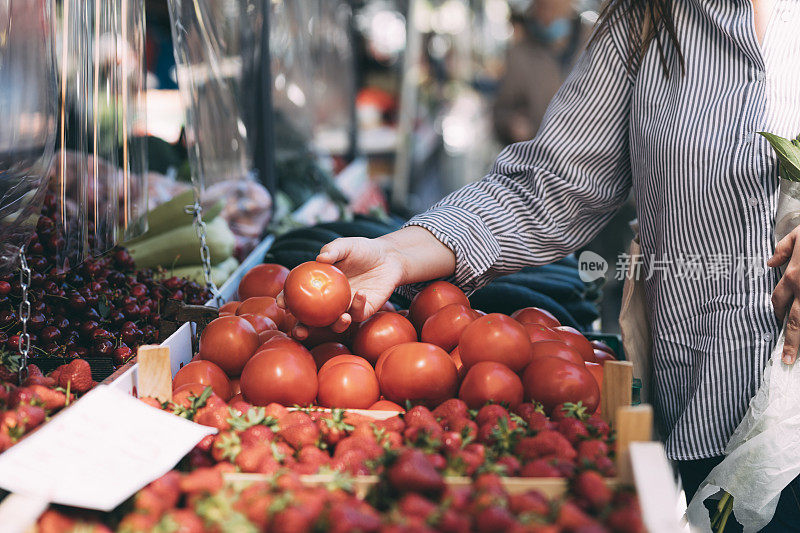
(25, 406)
(420, 502)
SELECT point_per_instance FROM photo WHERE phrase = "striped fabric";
(705, 188)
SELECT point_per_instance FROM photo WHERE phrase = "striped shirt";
(705, 188)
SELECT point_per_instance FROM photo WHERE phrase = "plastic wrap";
(761, 457)
(28, 106)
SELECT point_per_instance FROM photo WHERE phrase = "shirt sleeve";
(546, 197)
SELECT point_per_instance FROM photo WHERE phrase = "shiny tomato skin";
(380, 332)
(558, 349)
(445, 326)
(348, 386)
(419, 372)
(456, 357)
(195, 389)
(386, 405)
(205, 373)
(538, 332)
(262, 305)
(280, 341)
(596, 369)
(229, 308)
(489, 381)
(317, 293)
(552, 381)
(229, 342)
(495, 337)
(260, 323)
(263, 280)
(341, 359)
(264, 336)
(602, 356)
(575, 338)
(536, 315)
(432, 298)
(287, 376)
(326, 351)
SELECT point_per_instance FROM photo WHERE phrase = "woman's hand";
(375, 267)
(786, 296)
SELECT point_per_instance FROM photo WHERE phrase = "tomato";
(602, 356)
(229, 342)
(552, 381)
(536, 315)
(419, 372)
(456, 357)
(386, 405)
(280, 340)
(229, 308)
(264, 336)
(495, 337)
(575, 338)
(596, 370)
(380, 332)
(287, 376)
(205, 373)
(538, 332)
(260, 323)
(327, 351)
(489, 381)
(263, 280)
(236, 387)
(348, 386)
(194, 389)
(288, 323)
(317, 293)
(555, 349)
(432, 298)
(341, 359)
(262, 305)
(445, 326)
(600, 345)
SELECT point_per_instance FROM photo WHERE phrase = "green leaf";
(788, 155)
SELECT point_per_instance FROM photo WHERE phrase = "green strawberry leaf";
(788, 155)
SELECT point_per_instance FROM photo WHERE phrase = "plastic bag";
(761, 457)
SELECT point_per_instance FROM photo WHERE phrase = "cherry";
(103, 348)
(77, 302)
(100, 334)
(88, 327)
(61, 322)
(36, 322)
(50, 334)
(7, 316)
(122, 354)
(139, 291)
(36, 248)
(5, 288)
(132, 311)
(117, 317)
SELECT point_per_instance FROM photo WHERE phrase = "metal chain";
(196, 211)
(24, 344)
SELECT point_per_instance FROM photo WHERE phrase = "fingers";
(280, 300)
(341, 325)
(300, 332)
(358, 307)
(792, 342)
(332, 252)
(783, 251)
(782, 297)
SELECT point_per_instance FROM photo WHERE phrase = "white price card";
(98, 452)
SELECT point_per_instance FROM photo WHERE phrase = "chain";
(196, 211)
(24, 344)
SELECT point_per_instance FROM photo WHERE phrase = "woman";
(666, 103)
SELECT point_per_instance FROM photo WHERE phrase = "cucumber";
(554, 288)
(583, 311)
(289, 258)
(298, 245)
(569, 260)
(170, 215)
(181, 247)
(499, 297)
(356, 228)
(560, 269)
(313, 233)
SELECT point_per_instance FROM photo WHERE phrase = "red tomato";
(445, 326)
(328, 350)
(600, 345)
(575, 338)
(260, 323)
(348, 386)
(602, 356)
(287, 376)
(195, 389)
(386, 405)
(495, 337)
(432, 298)
(489, 381)
(341, 359)
(380, 332)
(456, 357)
(264, 336)
(205, 373)
(538, 332)
(228, 341)
(262, 305)
(555, 349)
(317, 293)
(552, 381)
(419, 372)
(263, 280)
(381, 359)
(236, 387)
(536, 315)
(229, 308)
(280, 340)
(596, 370)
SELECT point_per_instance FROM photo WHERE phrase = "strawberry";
(547, 442)
(365, 431)
(133, 522)
(412, 472)
(202, 480)
(294, 519)
(268, 466)
(570, 517)
(394, 423)
(51, 399)
(199, 459)
(626, 520)
(489, 482)
(351, 461)
(591, 450)
(531, 501)
(391, 440)
(458, 497)
(565, 466)
(168, 488)
(250, 458)
(257, 435)
(214, 413)
(347, 517)
(412, 504)
(490, 414)
(206, 443)
(254, 502)
(149, 400)
(465, 462)
(437, 461)
(148, 501)
(606, 466)
(510, 464)
(240, 405)
(39, 380)
(282, 452)
(478, 449)
(452, 441)
(368, 447)
(539, 468)
(77, 375)
(598, 426)
(591, 490)
(6, 441)
(452, 409)
(52, 521)
(276, 411)
(452, 522)
(184, 521)
(333, 427)
(493, 519)
(30, 416)
(226, 446)
(298, 430)
(21, 396)
(569, 410)
(420, 416)
(573, 429)
(311, 455)
(355, 419)
(467, 428)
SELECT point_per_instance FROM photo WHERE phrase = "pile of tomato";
(440, 348)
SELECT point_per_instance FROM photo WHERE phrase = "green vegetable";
(788, 152)
(219, 273)
(171, 214)
(181, 247)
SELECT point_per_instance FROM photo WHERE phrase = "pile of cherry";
(104, 307)
(439, 349)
